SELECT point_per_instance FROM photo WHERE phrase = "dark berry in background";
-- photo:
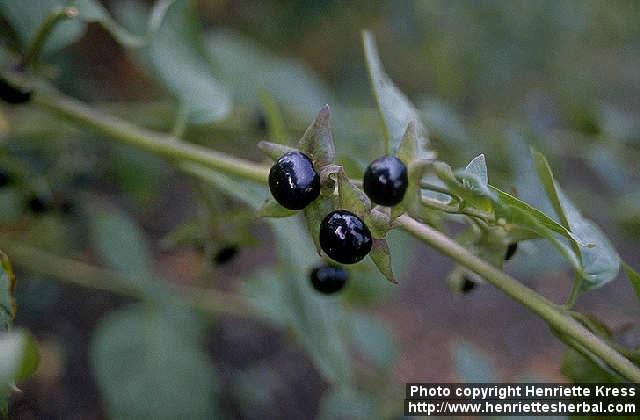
(328, 280)
(467, 284)
(293, 181)
(344, 237)
(5, 179)
(386, 180)
(12, 94)
(225, 254)
(39, 204)
(511, 250)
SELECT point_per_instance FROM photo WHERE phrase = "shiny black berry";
(386, 180)
(293, 181)
(344, 237)
(328, 280)
(12, 94)
(511, 249)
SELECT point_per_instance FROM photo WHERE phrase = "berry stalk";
(117, 129)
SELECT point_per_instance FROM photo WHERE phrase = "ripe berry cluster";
(344, 237)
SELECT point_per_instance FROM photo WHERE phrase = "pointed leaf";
(478, 169)
(250, 194)
(598, 259)
(381, 256)
(351, 197)
(395, 108)
(549, 184)
(275, 120)
(271, 208)
(317, 141)
(274, 150)
(408, 148)
(314, 213)
(178, 59)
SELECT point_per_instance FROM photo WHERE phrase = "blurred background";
(487, 77)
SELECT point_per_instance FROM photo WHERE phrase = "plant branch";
(81, 274)
(43, 33)
(122, 131)
(556, 318)
(167, 146)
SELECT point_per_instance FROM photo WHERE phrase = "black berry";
(386, 180)
(293, 181)
(328, 280)
(225, 254)
(12, 94)
(39, 205)
(467, 284)
(5, 179)
(344, 237)
(511, 249)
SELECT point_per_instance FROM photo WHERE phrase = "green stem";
(80, 274)
(556, 318)
(43, 33)
(117, 129)
(170, 147)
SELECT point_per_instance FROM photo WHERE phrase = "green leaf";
(477, 169)
(246, 67)
(519, 212)
(18, 356)
(351, 197)
(7, 287)
(252, 195)
(178, 59)
(345, 402)
(274, 150)
(318, 322)
(26, 17)
(314, 213)
(271, 208)
(381, 256)
(408, 148)
(149, 364)
(633, 277)
(265, 292)
(395, 108)
(373, 341)
(119, 242)
(275, 120)
(472, 365)
(19, 359)
(93, 11)
(549, 184)
(599, 262)
(317, 140)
